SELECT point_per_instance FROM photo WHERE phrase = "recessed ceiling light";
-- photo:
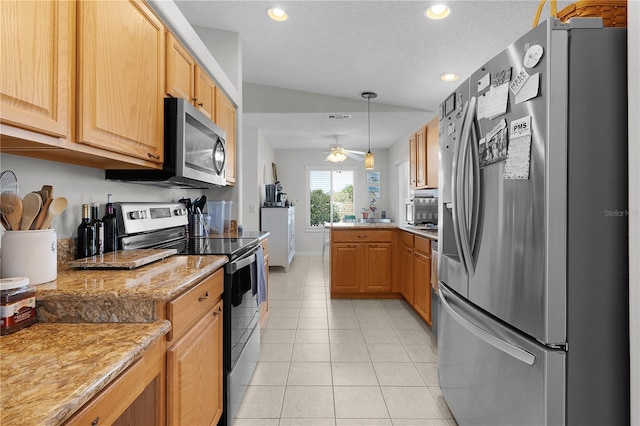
(449, 76)
(438, 11)
(277, 14)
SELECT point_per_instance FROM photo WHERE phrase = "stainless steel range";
(164, 225)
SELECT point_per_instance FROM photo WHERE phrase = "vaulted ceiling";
(327, 53)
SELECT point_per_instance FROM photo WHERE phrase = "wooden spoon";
(46, 201)
(56, 207)
(14, 217)
(31, 205)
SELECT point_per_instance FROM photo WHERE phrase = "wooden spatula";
(31, 204)
(15, 216)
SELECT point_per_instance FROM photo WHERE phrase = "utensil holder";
(30, 254)
(196, 225)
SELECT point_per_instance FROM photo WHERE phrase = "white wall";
(81, 185)
(257, 158)
(292, 167)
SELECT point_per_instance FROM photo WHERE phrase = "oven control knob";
(181, 212)
(139, 214)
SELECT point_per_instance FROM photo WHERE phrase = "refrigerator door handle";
(475, 170)
(514, 351)
(456, 192)
(467, 233)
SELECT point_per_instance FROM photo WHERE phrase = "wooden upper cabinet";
(226, 119)
(424, 156)
(180, 70)
(36, 64)
(205, 93)
(121, 48)
(433, 153)
(421, 157)
(413, 158)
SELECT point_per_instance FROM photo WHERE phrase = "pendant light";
(368, 158)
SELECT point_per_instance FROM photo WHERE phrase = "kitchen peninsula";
(383, 261)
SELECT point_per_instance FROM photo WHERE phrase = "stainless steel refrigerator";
(533, 267)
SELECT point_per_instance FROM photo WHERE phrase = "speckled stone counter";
(49, 371)
(98, 295)
(365, 225)
(420, 231)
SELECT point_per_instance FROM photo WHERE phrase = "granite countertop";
(50, 370)
(97, 295)
(420, 231)
(376, 225)
(364, 225)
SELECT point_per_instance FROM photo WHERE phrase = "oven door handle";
(247, 259)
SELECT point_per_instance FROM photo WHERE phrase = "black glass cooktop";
(232, 247)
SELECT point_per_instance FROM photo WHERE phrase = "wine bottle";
(86, 245)
(110, 221)
(97, 223)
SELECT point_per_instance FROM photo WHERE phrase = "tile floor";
(341, 362)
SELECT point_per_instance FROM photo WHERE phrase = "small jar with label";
(17, 304)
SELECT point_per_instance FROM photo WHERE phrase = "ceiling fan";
(338, 154)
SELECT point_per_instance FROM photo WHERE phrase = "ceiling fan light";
(368, 161)
(336, 157)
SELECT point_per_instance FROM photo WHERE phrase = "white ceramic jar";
(31, 254)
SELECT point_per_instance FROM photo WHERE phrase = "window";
(330, 196)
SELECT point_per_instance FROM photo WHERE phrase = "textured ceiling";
(343, 48)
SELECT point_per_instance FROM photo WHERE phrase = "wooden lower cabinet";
(422, 278)
(362, 263)
(194, 357)
(194, 385)
(406, 267)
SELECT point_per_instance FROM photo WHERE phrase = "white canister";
(30, 254)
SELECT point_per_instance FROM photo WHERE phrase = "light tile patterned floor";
(341, 362)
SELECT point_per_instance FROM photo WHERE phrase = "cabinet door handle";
(362, 236)
(157, 157)
(205, 297)
(373, 245)
(217, 311)
(96, 421)
(200, 104)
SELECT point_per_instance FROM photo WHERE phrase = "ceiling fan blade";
(355, 152)
(353, 156)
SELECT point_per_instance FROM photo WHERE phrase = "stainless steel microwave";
(421, 209)
(194, 151)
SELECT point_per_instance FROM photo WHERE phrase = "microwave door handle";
(455, 191)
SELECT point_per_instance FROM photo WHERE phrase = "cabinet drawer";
(406, 238)
(361, 236)
(185, 310)
(423, 245)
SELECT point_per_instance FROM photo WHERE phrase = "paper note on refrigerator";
(519, 160)
(529, 90)
(497, 99)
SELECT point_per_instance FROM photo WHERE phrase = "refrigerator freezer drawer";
(490, 375)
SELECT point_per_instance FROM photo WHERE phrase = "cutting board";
(122, 259)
